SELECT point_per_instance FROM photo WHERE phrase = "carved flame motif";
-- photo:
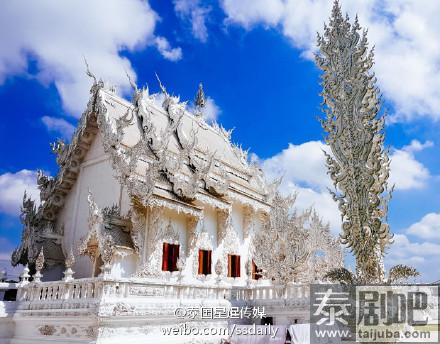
(293, 246)
(358, 163)
(187, 171)
(36, 230)
(39, 262)
(138, 228)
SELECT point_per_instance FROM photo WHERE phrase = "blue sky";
(254, 59)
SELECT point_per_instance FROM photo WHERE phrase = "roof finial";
(88, 72)
(132, 83)
(162, 87)
(200, 97)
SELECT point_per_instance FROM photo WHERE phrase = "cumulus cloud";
(211, 110)
(416, 146)
(164, 47)
(196, 14)
(12, 188)
(304, 164)
(321, 201)
(406, 171)
(57, 35)
(427, 228)
(419, 245)
(404, 34)
(417, 254)
(304, 172)
(58, 125)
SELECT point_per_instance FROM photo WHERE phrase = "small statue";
(70, 261)
(39, 265)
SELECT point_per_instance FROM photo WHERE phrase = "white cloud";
(319, 200)
(304, 164)
(427, 228)
(422, 249)
(12, 188)
(304, 171)
(57, 35)
(404, 33)
(58, 125)
(406, 172)
(416, 146)
(417, 254)
(403, 247)
(196, 14)
(164, 47)
(250, 12)
(211, 110)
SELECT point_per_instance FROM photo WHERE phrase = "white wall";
(179, 222)
(210, 224)
(238, 219)
(95, 174)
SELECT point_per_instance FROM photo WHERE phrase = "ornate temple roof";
(210, 138)
(161, 152)
(156, 145)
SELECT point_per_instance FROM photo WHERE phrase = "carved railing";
(272, 292)
(93, 289)
(96, 288)
(80, 289)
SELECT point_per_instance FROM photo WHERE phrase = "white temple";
(152, 210)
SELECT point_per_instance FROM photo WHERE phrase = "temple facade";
(152, 210)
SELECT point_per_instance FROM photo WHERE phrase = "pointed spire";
(200, 97)
(336, 10)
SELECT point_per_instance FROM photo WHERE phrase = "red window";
(205, 262)
(233, 265)
(256, 272)
(169, 257)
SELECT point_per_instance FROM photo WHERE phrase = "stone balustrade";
(275, 292)
(101, 289)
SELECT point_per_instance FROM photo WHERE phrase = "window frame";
(170, 256)
(205, 262)
(234, 266)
